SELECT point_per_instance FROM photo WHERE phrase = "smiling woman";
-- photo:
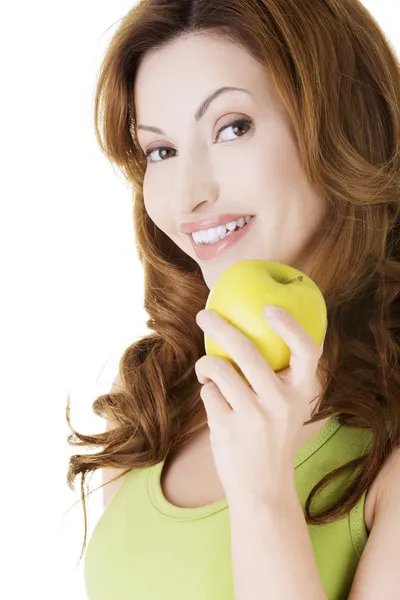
(287, 112)
(231, 153)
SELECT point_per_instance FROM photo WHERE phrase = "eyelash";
(231, 124)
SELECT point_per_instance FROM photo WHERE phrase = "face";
(251, 167)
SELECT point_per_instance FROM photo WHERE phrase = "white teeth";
(229, 226)
(209, 236)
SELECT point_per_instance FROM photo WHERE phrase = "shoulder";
(385, 490)
(388, 480)
(377, 572)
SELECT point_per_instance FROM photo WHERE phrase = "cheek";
(152, 200)
(155, 215)
(264, 166)
(251, 173)
(276, 159)
(156, 208)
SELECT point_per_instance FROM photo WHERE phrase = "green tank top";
(145, 548)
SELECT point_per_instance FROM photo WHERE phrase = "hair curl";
(338, 77)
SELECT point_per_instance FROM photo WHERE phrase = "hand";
(254, 430)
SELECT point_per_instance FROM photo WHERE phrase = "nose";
(195, 185)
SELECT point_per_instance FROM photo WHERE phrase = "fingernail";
(274, 312)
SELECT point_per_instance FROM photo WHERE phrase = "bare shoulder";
(110, 487)
(385, 486)
(388, 478)
(377, 573)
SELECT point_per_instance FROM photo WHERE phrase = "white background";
(72, 296)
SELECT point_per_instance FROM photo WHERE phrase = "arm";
(272, 553)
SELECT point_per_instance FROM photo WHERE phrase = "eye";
(238, 124)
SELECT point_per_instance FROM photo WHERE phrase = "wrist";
(276, 498)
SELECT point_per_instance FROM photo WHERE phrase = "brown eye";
(151, 150)
(237, 125)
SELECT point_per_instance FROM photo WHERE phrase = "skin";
(254, 169)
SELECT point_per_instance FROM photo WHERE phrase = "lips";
(210, 221)
(209, 251)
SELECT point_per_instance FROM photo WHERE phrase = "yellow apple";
(240, 294)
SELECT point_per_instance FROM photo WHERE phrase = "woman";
(282, 117)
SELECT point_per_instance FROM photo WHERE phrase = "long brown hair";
(339, 79)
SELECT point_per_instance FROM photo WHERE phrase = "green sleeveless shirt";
(145, 548)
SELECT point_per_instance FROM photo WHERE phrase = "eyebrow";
(201, 110)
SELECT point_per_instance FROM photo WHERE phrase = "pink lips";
(208, 251)
(210, 221)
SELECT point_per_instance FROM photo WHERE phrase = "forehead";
(182, 73)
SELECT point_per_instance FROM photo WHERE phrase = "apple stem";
(299, 278)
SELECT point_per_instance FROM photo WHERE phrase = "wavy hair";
(338, 77)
